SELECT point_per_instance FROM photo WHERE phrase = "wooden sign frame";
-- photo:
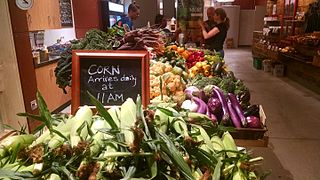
(117, 55)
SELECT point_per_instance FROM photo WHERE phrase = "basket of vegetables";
(226, 100)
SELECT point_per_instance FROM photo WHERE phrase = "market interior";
(234, 97)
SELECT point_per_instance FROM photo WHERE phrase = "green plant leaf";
(217, 170)
(39, 128)
(60, 134)
(102, 111)
(44, 111)
(166, 111)
(35, 117)
(169, 148)
(67, 173)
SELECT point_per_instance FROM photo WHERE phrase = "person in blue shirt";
(133, 14)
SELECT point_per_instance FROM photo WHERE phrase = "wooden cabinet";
(44, 14)
(46, 84)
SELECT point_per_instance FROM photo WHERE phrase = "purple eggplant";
(202, 106)
(211, 116)
(218, 92)
(214, 105)
(233, 115)
(238, 110)
(254, 122)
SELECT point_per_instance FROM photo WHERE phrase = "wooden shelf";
(291, 20)
(253, 143)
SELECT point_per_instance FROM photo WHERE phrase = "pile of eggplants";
(221, 108)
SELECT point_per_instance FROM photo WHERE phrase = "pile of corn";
(124, 143)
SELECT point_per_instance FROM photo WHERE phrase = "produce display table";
(195, 100)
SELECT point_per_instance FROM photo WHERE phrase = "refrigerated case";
(111, 12)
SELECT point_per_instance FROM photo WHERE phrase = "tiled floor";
(293, 120)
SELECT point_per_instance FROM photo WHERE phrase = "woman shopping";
(214, 39)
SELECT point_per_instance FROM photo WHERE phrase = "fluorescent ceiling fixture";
(225, 0)
(161, 5)
(115, 7)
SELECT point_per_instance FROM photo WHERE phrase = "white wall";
(148, 11)
(233, 13)
(260, 12)
(51, 35)
(246, 28)
(11, 98)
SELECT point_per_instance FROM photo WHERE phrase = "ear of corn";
(83, 115)
(169, 148)
(11, 143)
(162, 152)
(229, 144)
(54, 177)
(238, 175)
(217, 143)
(128, 119)
(205, 137)
(179, 126)
(217, 170)
(98, 136)
(162, 120)
(114, 112)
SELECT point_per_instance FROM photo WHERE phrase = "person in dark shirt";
(133, 14)
(209, 24)
(160, 21)
(215, 37)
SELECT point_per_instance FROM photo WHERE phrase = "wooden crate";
(252, 133)
(316, 60)
(253, 143)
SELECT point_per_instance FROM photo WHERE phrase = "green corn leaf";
(130, 173)
(38, 129)
(102, 111)
(81, 128)
(154, 168)
(90, 132)
(67, 173)
(60, 134)
(35, 117)
(15, 175)
(169, 148)
(165, 111)
(203, 157)
(217, 170)
(168, 177)
(44, 111)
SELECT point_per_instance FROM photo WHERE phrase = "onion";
(190, 91)
(190, 105)
(253, 122)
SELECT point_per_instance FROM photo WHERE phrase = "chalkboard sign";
(110, 76)
(66, 13)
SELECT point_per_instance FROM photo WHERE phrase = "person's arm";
(211, 33)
